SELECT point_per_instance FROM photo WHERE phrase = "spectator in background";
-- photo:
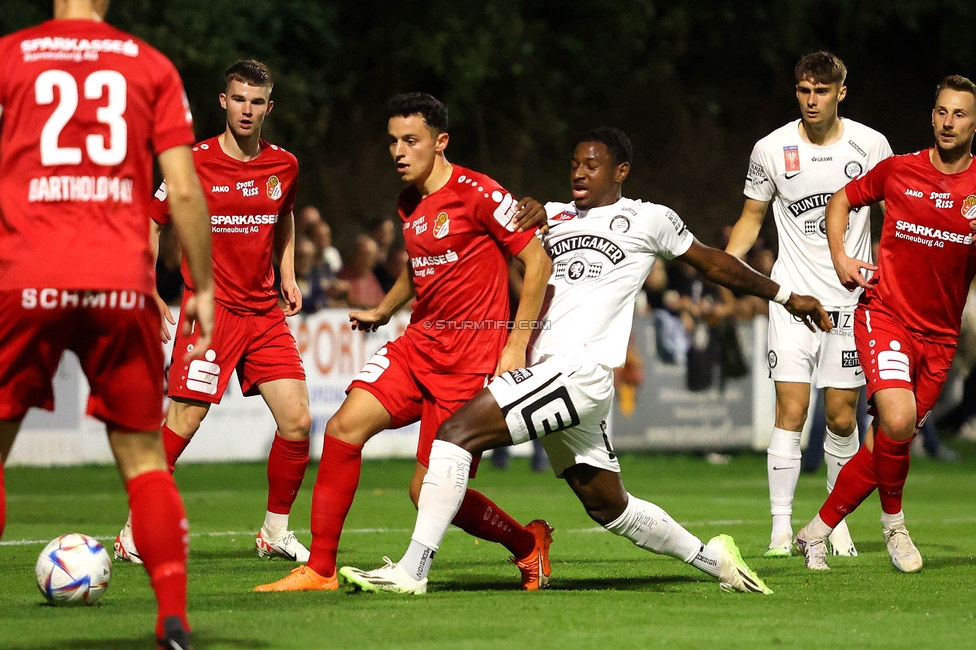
(307, 274)
(396, 261)
(382, 230)
(306, 218)
(365, 291)
(321, 235)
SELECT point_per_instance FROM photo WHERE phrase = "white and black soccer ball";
(73, 569)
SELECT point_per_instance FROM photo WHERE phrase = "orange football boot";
(303, 578)
(535, 566)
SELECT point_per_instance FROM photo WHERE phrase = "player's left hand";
(529, 215)
(166, 317)
(293, 297)
(511, 359)
(810, 311)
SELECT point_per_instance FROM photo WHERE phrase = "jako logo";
(202, 375)
(918, 194)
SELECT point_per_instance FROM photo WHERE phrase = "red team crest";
(969, 207)
(442, 225)
(274, 188)
(565, 215)
(791, 157)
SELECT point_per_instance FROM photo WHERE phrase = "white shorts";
(795, 354)
(566, 403)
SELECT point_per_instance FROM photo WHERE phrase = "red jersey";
(245, 200)
(84, 107)
(927, 259)
(459, 239)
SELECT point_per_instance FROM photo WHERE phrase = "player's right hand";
(199, 318)
(368, 321)
(810, 311)
(849, 273)
(166, 317)
(529, 215)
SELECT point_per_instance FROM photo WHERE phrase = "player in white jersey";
(797, 168)
(602, 247)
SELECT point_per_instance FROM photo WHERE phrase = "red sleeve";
(288, 205)
(495, 208)
(159, 206)
(173, 123)
(869, 189)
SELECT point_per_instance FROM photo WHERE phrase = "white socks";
(837, 451)
(441, 495)
(896, 520)
(783, 468)
(652, 529)
(275, 524)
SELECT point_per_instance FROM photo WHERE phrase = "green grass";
(605, 592)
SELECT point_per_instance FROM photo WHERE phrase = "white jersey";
(799, 178)
(600, 260)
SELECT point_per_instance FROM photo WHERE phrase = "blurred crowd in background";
(695, 321)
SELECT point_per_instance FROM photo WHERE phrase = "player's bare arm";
(530, 215)
(538, 268)
(728, 271)
(166, 316)
(188, 209)
(848, 269)
(745, 232)
(399, 295)
(284, 245)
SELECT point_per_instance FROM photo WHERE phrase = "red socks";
(891, 462)
(480, 517)
(174, 446)
(855, 483)
(335, 488)
(161, 532)
(286, 470)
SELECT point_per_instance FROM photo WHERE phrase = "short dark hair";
(616, 141)
(823, 67)
(955, 82)
(250, 72)
(427, 106)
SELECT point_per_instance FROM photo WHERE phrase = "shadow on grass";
(653, 583)
(201, 641)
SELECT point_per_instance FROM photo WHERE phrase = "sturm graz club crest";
(853, 169)
(620, 223)
(771, 359)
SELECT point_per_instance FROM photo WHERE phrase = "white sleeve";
(759, 183)
(667, 235)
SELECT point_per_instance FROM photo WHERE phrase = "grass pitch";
(605, 592)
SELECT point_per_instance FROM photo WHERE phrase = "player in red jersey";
(250, 186)
(84, 107)
(459, 227)
(908, 319)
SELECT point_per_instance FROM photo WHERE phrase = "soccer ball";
(73, 570)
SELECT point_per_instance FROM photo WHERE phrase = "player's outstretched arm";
(400, 294)
(166, 316)
(284, 244)
(745, 232)
(188, 209)
(538, 268)
(847, 268)
(728, 271)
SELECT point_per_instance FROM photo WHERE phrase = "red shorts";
(894, 357)
(116, 337)
(404, 383)
(259, 346)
